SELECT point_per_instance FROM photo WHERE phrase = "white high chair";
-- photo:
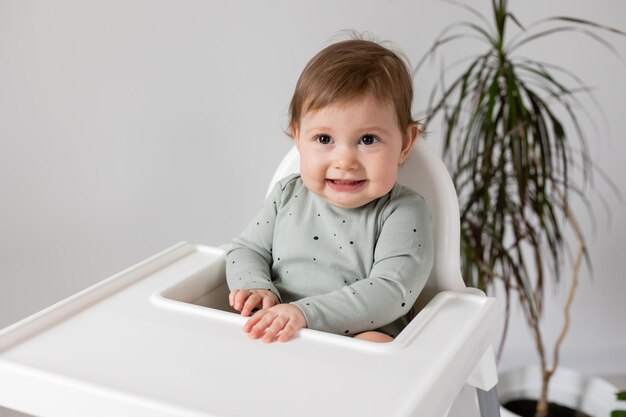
(159, 340)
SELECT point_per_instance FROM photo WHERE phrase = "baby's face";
(350, 151)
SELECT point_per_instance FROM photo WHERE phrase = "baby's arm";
(249, 260)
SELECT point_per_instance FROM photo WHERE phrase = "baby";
(340, 247)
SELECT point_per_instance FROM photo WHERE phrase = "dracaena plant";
(621, 396)
(518, 153)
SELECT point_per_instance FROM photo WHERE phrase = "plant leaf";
(514, 143)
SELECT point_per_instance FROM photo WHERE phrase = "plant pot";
(591, 395)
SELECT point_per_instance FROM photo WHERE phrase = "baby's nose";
(345, 158)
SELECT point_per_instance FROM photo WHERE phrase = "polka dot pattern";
(321, 250)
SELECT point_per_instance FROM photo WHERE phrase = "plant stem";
(542, 403)
(566, 308)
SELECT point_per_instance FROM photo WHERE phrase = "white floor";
(618, 380)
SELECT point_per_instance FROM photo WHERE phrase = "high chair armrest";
(453, 336)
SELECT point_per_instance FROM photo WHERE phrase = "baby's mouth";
(345, 185)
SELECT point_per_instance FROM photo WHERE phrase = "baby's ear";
(293, 132)
(410, 135)
(295, 136)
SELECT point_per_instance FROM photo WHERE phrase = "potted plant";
(518, 154)
(621, 396)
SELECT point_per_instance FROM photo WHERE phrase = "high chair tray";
(155, 340)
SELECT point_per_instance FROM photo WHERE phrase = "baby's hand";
(247, 300)
(277, 323)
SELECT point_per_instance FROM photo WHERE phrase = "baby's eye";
(368, 139)
(323, 139)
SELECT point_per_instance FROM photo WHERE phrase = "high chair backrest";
(425, 173)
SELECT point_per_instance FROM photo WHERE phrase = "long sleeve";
(249, 260)
(348, 270)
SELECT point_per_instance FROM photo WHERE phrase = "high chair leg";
(488, 402)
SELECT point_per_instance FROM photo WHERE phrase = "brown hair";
(350, 69)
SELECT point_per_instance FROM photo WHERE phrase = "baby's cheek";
(312, 180)
(391, 175)
(387, 180)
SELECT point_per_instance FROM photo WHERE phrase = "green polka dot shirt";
(348, 270)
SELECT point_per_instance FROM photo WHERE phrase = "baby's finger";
(269, 302)
(258, 330)
(252, 301)
(288, 330)
(271, 331)
(252, 321)
(240, 298)
(231, 297)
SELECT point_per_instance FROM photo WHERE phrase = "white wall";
(129, 125)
